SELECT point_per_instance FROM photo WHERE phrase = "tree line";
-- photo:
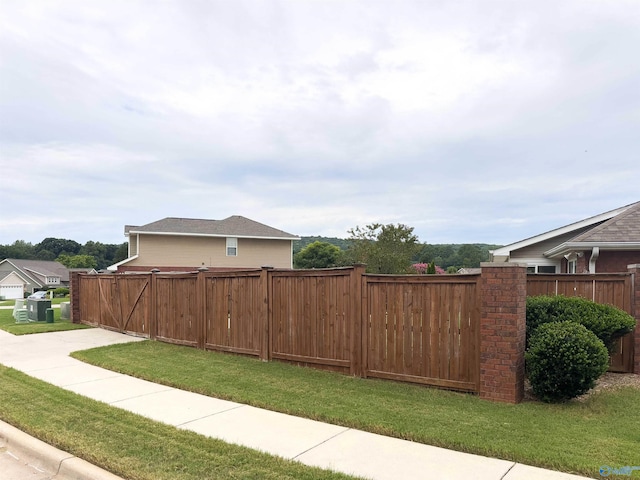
(68, 252)
(383, 248)
(392, 249)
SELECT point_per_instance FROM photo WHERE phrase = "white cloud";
(470, 121)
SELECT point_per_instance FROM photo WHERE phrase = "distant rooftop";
(235, 226)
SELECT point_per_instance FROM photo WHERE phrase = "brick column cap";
(501, 264)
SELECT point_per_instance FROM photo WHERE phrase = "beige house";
(183, 244)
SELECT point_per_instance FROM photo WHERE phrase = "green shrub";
(61, 292)
(564, 360)
(607, 322)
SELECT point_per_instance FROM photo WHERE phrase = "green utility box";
(37, 309)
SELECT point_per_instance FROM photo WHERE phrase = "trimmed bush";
(564, 360)
(607, 322)
(61, 292)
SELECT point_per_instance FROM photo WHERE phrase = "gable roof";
(234, 226)
(621, 232)
(4, 275)
(38, 269)
(621, 226)
(17, 273)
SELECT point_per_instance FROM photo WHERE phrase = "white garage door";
(11, 291)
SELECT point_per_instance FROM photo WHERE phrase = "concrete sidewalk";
(46, 356)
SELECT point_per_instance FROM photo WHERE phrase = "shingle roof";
(620, 232)
(42, 267)
(235, 226)
(624, 227)
(579, 228)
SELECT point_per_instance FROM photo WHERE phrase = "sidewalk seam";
(69, 384)
(141, 395)
(210, 415)
(323, 442)
(507, 472)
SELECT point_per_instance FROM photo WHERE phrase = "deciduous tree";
(77, 261)
(318, 255)
(384, 248)
(58, 246)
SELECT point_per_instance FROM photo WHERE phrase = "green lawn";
(8, 323)
(576, 437)
(54, 301)
(130, 445)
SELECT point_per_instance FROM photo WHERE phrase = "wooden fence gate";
(117, 302)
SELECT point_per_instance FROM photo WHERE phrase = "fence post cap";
(502, 264)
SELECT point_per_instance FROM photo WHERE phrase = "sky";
(472, 122)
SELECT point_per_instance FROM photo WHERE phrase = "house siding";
(6, 268)
(12, 279)
(189, 251)
(133, 245)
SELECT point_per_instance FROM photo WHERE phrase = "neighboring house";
(183, 244)
(605, 243)
(18, 276)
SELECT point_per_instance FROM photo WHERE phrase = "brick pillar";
(635, 305)
(503, 291)
(74, 296)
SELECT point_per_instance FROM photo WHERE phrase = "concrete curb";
(62, 465)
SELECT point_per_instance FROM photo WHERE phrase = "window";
(572, 261)
(546, 269)
(541, 269)
(232, 247)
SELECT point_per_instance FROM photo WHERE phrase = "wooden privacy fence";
(421, 329)
(613, 289)
(464, 332)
